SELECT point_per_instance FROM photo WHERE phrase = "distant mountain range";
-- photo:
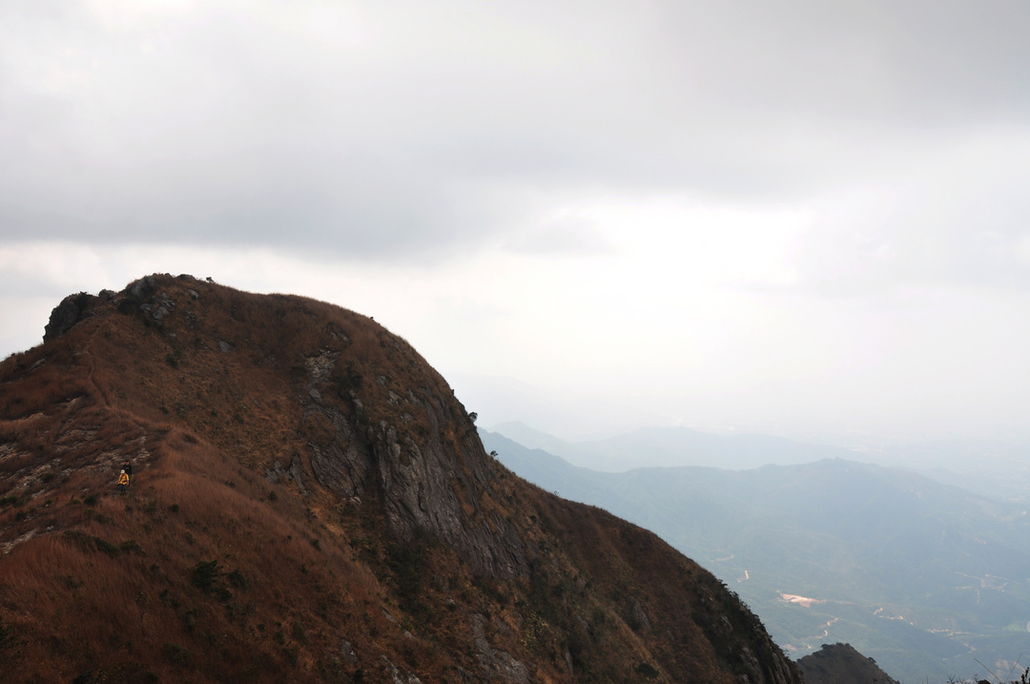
(993, 468)
(672, 447)
(920, 575)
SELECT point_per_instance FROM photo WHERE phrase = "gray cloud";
(567, 236)
(399, 129)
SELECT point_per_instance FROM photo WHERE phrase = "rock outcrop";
(66, 314)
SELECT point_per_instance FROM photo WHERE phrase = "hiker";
(123, 481)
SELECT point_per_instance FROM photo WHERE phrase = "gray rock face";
(396, 675)
(497, 664)
(424, 484)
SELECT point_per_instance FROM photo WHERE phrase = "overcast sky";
(801, 218)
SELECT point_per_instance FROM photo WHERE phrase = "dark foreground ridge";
(841, 664)
(309, 503)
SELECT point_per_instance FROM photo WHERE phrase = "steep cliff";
(309, 502)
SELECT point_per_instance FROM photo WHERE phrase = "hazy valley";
(922, 576)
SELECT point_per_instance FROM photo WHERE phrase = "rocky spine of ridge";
(256, 422)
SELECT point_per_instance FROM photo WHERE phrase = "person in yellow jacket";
(123, 481)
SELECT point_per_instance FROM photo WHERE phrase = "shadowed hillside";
(841, 664)
(309, 503)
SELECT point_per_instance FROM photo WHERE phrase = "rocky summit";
(308, 502)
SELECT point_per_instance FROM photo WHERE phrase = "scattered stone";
(319, 367)
(637, 611)
(347, 651)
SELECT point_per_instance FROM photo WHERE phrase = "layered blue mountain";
(926, 578)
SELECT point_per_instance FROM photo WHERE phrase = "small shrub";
(237, 579)
(646, 671)
(204, 574)
(106, 546)
(87, 542)
(91, 500)
(177, 655)
(6, 637)
(127, 305)
(131, 546)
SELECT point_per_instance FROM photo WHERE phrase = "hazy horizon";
(806, 220)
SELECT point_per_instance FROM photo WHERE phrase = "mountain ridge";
(309, 502)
